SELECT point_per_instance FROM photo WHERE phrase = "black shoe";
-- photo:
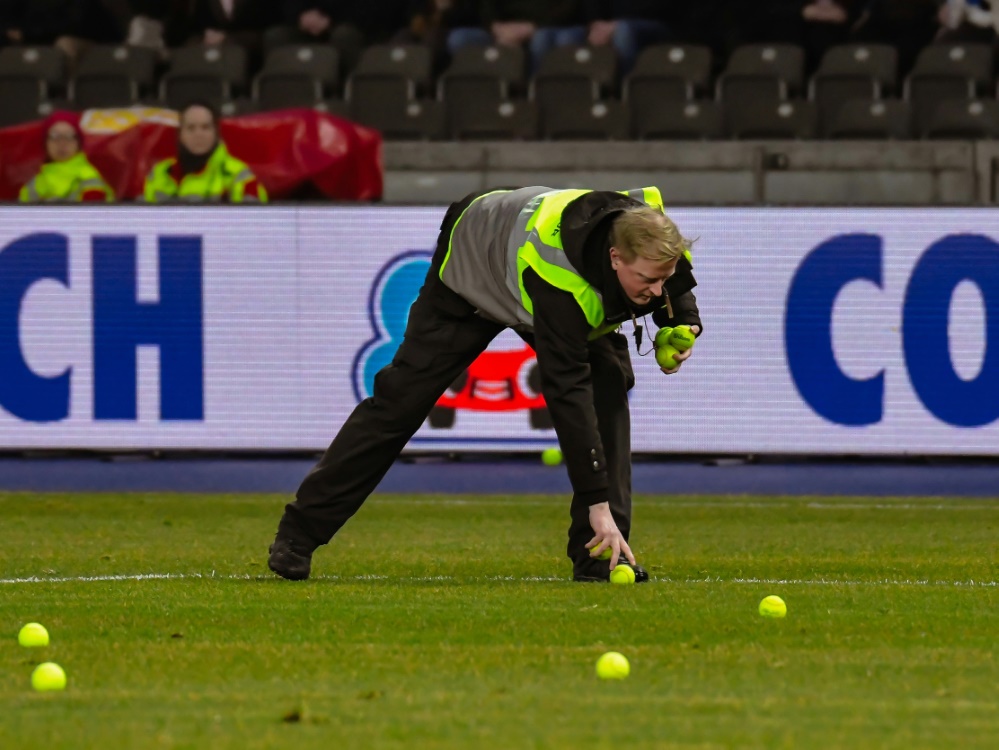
(641, 574)
(600, 571)
(290, 558)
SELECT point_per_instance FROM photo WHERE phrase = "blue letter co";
(808, 330)
(120, 325)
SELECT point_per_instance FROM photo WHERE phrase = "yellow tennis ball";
(773, 606)
(682, 338)
(613, 666)
(622, 575)
(665, 356)
(48, 677)
(605, 555)
(33, 635)
(662, 337)
(551, 456)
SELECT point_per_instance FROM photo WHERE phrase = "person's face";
(197, 130)
(642, 279)
(61, 142)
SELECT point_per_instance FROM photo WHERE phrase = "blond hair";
(647, 232)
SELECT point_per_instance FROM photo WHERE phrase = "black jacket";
(561, 332)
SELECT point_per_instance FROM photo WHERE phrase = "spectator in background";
(203, 170)
(430, 21)
(67, 174)
(348, 26)
(540, 25)
(70, 25)
(826, 23)
(969, 21)
(239, 22)
(909, 25)
(630, 25)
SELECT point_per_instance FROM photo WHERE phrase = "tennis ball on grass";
(662, 337)
(622, 575)
(48, 677)
(773, 606)
(551, 456)
(33, 635)
(665, 356)
(613, 666)
(682, 338)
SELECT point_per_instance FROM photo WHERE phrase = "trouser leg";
(442, 338)
(612, 377)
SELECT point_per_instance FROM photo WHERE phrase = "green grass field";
(436, 623)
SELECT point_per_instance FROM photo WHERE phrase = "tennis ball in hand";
(605, 555)
(551, 456)
(666, 357)
(622, 575)
(682, 338)
(662, 337)
(33, 635)
(48, 677)
(613, 666)
(773, 606)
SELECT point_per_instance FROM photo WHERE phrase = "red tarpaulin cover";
(287, 150)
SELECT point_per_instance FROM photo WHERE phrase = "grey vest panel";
(479, 266)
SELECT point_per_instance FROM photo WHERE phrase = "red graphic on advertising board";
(496, 381)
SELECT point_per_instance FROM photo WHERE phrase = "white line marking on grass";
(986, 503)
(508, 579)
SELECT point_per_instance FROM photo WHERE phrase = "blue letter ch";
(121, 324)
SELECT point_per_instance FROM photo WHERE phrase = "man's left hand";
(682, 356)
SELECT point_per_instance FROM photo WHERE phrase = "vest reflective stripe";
(538, 245)
(29, 193)
(64, 181)
(223, 176)
(650, 196)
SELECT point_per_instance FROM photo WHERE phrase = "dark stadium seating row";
(486, 93)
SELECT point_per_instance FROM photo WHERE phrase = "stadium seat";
(113, 75)
(666, 73)
(409, 61)
(227, 63)
(682, 62)
(467, 98)
(22, 99)
(179, 90)
(500, 62)
(677, 120)
(47, 64)
(762, 72)
(508, 120)
(853, 71)
(766, 120)
(581, 120)
(574, 77)
(388, 103)
(272, 90)
(597, 64)
(954, 119)
(863, 119)
(419, 121)
(947, 71)
(318, 61)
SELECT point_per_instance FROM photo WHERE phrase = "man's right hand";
(313, 22)
(607, 535)
(512, 33)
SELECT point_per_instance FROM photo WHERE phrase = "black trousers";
(442, 338)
